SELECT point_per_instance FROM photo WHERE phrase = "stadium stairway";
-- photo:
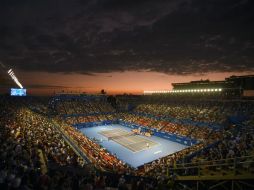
(43, 161)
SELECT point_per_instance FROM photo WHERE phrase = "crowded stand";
(204, 111)
(35, 147)
(232, 155)
(69, 107)
(89, 118)
(29, 144)
(35, 155)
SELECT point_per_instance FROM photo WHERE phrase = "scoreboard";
(18, 92)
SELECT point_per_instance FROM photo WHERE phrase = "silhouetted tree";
(103, 91)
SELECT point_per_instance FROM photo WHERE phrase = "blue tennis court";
(160, 147)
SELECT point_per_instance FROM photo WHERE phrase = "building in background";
(234, 86)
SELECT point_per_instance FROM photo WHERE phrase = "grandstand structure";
(217, 137)
(234, 86)
(208, 120)
(231, 87)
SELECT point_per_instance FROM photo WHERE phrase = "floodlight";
(14, 78)
(9, 71)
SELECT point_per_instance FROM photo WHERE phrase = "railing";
(242, 167)
(85, 114)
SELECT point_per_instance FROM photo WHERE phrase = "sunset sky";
(123, 45)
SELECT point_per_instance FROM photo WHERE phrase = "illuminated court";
(132, 149)
(127, 139)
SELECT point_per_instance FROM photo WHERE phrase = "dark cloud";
(170, 36)
(5, 79)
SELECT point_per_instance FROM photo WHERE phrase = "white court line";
(143, 146)
(157, 152)
(126, 140)
(133, 141)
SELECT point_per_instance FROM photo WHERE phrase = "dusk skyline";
(124, 46)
